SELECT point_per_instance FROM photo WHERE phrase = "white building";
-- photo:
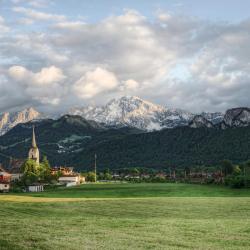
(71, 180)
(35, 188)
(4, 187)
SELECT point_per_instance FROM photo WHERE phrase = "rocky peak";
(200, 121)
(237, 117)
(9, 120)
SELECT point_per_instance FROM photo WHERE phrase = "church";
(34, 155)
(34, 151)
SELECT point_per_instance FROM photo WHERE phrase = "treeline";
(235, 176)
(180, 147)
(74, 143)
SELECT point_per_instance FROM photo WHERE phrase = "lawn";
(127, 216)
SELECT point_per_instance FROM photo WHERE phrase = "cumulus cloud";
(45, 86)
(46, 76)
(128, 54)
(95, 82)
(131, 84)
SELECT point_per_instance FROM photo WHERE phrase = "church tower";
(34, 152)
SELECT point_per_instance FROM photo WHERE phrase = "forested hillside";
(72, 140)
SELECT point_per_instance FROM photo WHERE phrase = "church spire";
(34, 138)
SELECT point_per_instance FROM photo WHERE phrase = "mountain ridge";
(132, 111)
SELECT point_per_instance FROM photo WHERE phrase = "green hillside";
(72, 140)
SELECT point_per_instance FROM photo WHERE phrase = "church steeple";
(34, 151)
(34, 139)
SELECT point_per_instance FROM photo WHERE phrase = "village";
(33, 175)
(65, 176)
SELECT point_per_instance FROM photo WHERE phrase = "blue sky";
(184, 54)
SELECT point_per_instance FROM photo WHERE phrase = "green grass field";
(127, 216)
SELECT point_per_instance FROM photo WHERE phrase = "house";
(70, 180)
(68, 176)
(35, 188)
(15, 169)
(62, 170)
(5, 179)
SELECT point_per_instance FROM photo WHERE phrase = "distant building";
(62, 170)
(34, 151)
(15, 169)
(5, 179)
(35, 188)
(68, 176)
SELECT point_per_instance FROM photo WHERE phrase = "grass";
(127, 216)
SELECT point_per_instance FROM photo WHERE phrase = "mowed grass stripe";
(94, 219)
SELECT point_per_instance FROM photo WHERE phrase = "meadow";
(127, 216)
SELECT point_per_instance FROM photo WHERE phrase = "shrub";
(235, 181)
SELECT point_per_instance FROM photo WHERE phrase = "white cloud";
(95, 82)
(46, 76)
(70, 25)
(131, 84)
(129, 54)
(38, 15)
(45, 86)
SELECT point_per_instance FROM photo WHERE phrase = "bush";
(235, 181)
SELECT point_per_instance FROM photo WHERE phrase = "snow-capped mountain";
(9, 120)
(135, 112)
(215, 118)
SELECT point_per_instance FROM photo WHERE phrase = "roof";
(34, 138)
(73, 175)
(15, 166)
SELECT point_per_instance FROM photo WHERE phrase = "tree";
(90, 176)
(227, 167)
(33, 172)
(45, 170)
(237, 170)
(30, 170)
(107, 176)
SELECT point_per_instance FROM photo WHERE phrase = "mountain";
(215, 118)
(236, 117)
(131, 111)
(10, 120)
(59, 139)
(200, 121)
(134, 112)
(73, 141)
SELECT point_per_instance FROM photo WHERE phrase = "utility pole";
(95, 167)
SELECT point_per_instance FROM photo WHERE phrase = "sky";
(58, 54)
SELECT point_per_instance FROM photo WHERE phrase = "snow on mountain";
(9, 120)
(215, 118)
(135, 112)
